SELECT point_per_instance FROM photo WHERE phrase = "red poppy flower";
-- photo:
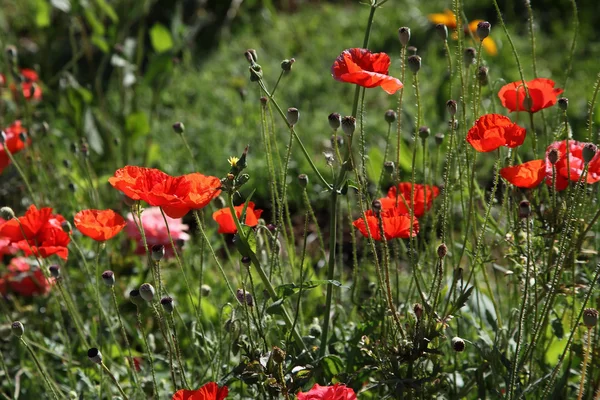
(100, 225)
(210, 391)
(575, 164)
(12, 142)
(227, 224)
(404, 200)
(44, 235)
(396, 223)
(492, 131)
(25, 279)
(335, 392)
(527, 175)
(31, 90)
(363, 68)
(176, 195)
(6, 246)
(542, 92)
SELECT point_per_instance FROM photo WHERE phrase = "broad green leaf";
(160, 37)
(332, 365)
(137, 125)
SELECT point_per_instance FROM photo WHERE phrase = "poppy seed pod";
(469, 56)
(390, 116)
(66, 226)
(158, 252)
(335, 120)
(414, 63)
(563, 103)
(524, 209)
(452, 107)
(286, 65)
(292, 115)
(553, 156)
(7, 213)
(348, 125)
(439, 138)
(54, 271)
(483, 29)
(17, 329)
(167, 304)
(442, 31)
(94, 355)
(442, 250)
(404, 35)
(246, 261)
(458, 344)
(205, 290)
(303, 180)
(135, 297)
(389, 167)
(588, 152)
(178, 128)
(424, 132)
(482, 75)
(590, 317)
(244, 297)
(147, 292)
(376, 206)
(108, 277)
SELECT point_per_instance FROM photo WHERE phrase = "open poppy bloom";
(396, 222)
(449, 19)
(335, 392)
(225, 220)
(12, 142)
(366, 69)
(44, 235)
(541, 90)
(6, 246)
(99, 225)
(576, 164)
(492, 131)
(403, 191)
(175, 195)
(210, 391)
(527, 175)
(31, 90)
(156, 231)
(25, 279)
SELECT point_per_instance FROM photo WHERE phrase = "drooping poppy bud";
(349, 125)
(451, 106)
(335, 120)
(563, 103)
(483, 29)
(588, 152)
(442, 31)
(303, 180)
(404, 35)
(94, 355)
(390, 116)
(17, 329)
(590, 317)
(458, 344)
(292, 115)
(414, 63)
(108, 277)
(147, 292)
(167, 304)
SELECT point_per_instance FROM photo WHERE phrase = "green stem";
(115, 381)
(330, 270)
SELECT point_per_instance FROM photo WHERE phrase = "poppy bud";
(451, 106)
(524, 209)
(404, 35)
(458, 344)
(245, 297)
(66, 226)
(482, 75)
(590, 317)
(251, 56)
(54, 271)
(553, 156)
(292, 116)
(135, 298)
(439, 138)
(442, 31)
(335, 120)
(390, 116)
(95, 356)
(255, 73)
(158, 252)
(7, 213)
(418, 310)
(278, 355)
(589, 151)
(469, 56)
(286, 65)
(167, 304)
(179, 128)
(414, 63)
(205, 290)
(17, 329)
(147, 292)
(246, 261)
(412, 50)
(376, 206)
(483, 29)
(303, 180)
(389, 167)
(108, 277)
(563, 103)
(442, 250)
(11, 53)
(348, 125)
(424, 132)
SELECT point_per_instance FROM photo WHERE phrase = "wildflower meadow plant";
(434, 238)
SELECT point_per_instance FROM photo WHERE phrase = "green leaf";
(91, 132)
(160, 37)
(375, 164)
(332, 365)
(95, 23)
(462, 299)
(275, 307)
(137, 125)
(42, 13)
(100, 43)
(289, 289)
(107, 10)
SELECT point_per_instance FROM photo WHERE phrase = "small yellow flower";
(233, 161)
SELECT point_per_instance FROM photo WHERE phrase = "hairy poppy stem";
(586, 357)
(20, 171)
(41, 370)
(115, 381)
(136, 378)
(150, 358)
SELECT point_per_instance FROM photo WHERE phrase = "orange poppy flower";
(576, 164)
(366, 69)
(404, 191)
(448, 18)
(527, 175)
(541, 90)
(335, 392)
(99, 225)
(12, 142)
(176, 195)
(492, 131)
(210, 391)
(396, 222)
(227, 224)
(44, 235)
